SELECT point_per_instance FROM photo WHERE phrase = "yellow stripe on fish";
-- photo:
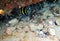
(23, 10)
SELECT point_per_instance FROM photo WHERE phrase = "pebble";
(10, 30)
(56, 8)
(52, 32)
(13, 22)
(40, 26)
(26, 28)
(57, 30)
(34, 27)
(58, 21)
(40, 34)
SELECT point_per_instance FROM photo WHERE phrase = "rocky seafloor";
(44, 27)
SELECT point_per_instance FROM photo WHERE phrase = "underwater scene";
(30, 20)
